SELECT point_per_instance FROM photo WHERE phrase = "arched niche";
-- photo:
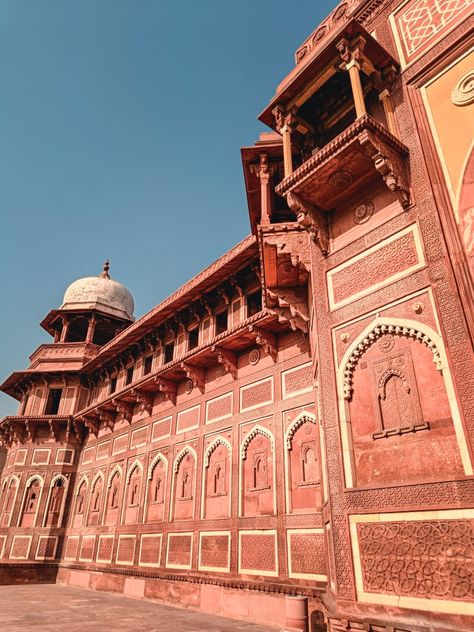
(217, 479)
(96, 500)
(184, 484)
(31, 501)
(80, 499)
(56, 501)
(9, 497)
(257, 473)
(303, 459)
(113, 499)
(133, 493)
(156, 489)
(400, 421)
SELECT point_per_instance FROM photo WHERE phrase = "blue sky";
(120, 128)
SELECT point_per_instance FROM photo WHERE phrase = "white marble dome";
(100, 293)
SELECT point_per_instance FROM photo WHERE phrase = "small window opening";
(113, 385)
(147, 365)
(221, 321)
(254, 303)
(53, 401)
(169, 352)
(193, 338)
(129, 376)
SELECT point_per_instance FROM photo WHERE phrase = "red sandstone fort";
(294, 427)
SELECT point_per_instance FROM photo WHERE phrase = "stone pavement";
(56, 608)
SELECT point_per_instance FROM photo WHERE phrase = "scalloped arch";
(215, 444)
(117, 469)
(301, 419)
(136, 464)
(186, 450)
(151, 468)
(34, 477)
(98, 475)
(251, 435)
(59, 477)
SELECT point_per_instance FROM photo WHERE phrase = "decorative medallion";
(320, 33)
(463, 91)
(345, 337)
(188, 386)
(340, 180)
(418, 307)
(363, 212)
(301, 53)
(254, 356)
(386, 343)
(339, 12)
(308, 429)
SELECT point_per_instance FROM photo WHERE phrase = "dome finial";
(105, 272)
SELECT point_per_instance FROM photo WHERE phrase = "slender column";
(264, 172)
(90, 329)
(284, 123)
(353, 69)
(64, 330)
(387, 105)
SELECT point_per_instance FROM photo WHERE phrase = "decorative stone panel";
(46, 548)
(297, 381)
(179, 550)
(20, 457)
(258, 553)
(72, 547)
(103, 450)
(125, 550)
(422, 560)
(41, 457)
(20, 547)
(418, 24)
(214, 551)
(3, 541)
(219, 408)
(161, 429)
(120, 444)
(88, 455)
(188, 419)
(64, 457)
(105, 549)
(394, 258)
(139, 437)
(87, 548)
(256, 394)
(150, 549)
(306, 554)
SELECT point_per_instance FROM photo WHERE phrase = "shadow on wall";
(3, 458)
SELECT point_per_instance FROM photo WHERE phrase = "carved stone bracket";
(389, 165)
(167, 388)
(266, 340)
(91, 423)
(124, 409)
(107, 418)
(291, 307)
(144, 400)
(55, 430)
(312, 219)
(228, 359)
(194, 373)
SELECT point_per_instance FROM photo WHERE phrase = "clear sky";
(121, 123)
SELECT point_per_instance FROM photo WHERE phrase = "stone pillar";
(90, 329)
(296, 610)
(387, 105)
(284, 123)
(353, 69)
(64, 330)
(264, 172)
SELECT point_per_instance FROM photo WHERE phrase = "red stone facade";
(297, 419)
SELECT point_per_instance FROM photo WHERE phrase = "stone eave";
(234, 259)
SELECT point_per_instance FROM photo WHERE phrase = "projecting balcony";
(60, 356)
(364, 151)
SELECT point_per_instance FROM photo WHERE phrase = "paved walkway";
(56, 608)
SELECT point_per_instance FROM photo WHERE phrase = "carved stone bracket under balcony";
(266, 340)
(228, 359)
(290, 304)
(124, 409)
(363, 152)
(195, 374)
(168, 388)
(312, 219)
(144, 400)
(107, 418)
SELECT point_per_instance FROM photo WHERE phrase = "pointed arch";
(84, 479)
(301, 419)
(115, 470)
(210, 449)
(32, 479)
(151, 468)
(135, 465)
(186, 450)
(401, 327)
(54, 480)
(251, 435)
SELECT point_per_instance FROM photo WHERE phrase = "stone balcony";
(60, 356)
(363, 152)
